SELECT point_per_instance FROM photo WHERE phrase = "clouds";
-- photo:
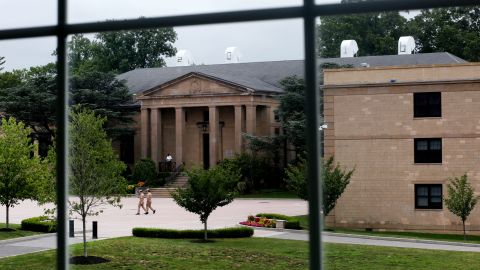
(258, 41)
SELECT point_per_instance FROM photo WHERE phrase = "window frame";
(422, 157)
(430, 204)
(427, 110)
(309, 12)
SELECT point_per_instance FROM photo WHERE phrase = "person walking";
(141, 203)
(149, 202)
(169, 159)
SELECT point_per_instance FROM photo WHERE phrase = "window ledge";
(429, 210)
(427, 117)
(437, 164)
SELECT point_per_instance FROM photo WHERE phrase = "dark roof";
(265, 76)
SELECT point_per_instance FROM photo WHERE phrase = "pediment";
(194, 84)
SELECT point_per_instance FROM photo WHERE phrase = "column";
(179, 131)
(238, 128)
(213, 119)
(251, 119)
(155, 134)
(269, 119)
(144, 132)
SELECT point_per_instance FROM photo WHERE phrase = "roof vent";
(184, 58)
(348, 48)
(406, 45)
(232, 55)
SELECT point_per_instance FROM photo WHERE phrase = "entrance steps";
(164, 192)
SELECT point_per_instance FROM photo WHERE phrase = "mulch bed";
(87, 260)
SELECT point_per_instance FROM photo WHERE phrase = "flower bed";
(259, 222)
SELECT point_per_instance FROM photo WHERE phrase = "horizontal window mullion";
(231, 17)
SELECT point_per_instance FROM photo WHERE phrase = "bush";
(291, 222)
(237, 232)
(39, 224)
(257, 172)
(145, 171)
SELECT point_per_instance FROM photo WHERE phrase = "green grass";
(14, 234)
(404, 234)
(269, 194)
(252, 253)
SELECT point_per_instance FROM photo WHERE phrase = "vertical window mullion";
(314, 159)
(62, 137)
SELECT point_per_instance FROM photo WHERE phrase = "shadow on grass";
(87, 260)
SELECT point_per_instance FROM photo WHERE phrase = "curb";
(408, 240)
(26, 238)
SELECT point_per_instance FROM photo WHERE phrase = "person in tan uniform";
(141, 203)
(149, 202)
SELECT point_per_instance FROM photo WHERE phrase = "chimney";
(184, 58)
(406, 45)
(348, 48)
(232, 55)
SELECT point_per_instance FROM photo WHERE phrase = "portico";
(200, 120)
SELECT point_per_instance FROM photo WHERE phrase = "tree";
(207, 190)
(95, 171)
(19, 169)
(122, 51)
(10, 79)
(455, 30)
(461, 199)
(105, 96)
(375, 33)
(335, 180)
(32, 100)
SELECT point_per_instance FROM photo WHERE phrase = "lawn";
(250, 253)
(416, 235)
(269, 194)
(14, 234)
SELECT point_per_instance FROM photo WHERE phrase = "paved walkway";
(115, 222)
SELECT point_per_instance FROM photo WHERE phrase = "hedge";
(39, 224)
(237, 232)
(291, 222)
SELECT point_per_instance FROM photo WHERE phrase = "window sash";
(428, 150)
(428, 196)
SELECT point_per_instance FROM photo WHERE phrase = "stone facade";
(372, 128)
(200, 120)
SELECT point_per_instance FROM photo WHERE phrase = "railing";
(174, 174)
(165, 166)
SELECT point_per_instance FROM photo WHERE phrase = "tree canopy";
(454, 30)
(31, 98)
(121, 51)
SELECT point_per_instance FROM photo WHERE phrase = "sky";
(257, 41)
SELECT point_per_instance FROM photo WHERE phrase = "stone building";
(406, 130)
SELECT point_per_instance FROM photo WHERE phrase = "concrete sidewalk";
(329, 237)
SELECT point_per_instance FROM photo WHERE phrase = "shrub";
(291, 222)
(237, 232)
(39, 224)
(145, 171)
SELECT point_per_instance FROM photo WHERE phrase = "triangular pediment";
(193, 84)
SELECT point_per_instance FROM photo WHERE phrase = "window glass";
(92, 10)
(28, 13)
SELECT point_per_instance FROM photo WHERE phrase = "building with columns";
(198, 113)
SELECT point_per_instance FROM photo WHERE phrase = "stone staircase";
(164, 192)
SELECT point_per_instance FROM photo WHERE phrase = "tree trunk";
(205, 237)
(8, 219)
(464, 234)
(84, 236)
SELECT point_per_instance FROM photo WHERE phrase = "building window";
(427, 104)
(428, 196)
(428, 150)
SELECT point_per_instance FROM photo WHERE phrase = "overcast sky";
(257, 41)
